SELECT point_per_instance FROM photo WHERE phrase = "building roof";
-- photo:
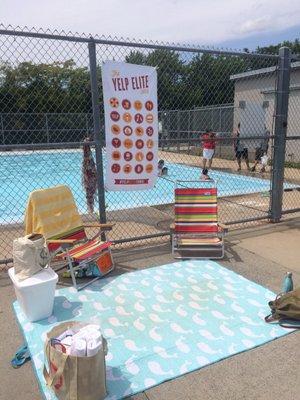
(261, 71)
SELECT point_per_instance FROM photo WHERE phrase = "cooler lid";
(45, 275)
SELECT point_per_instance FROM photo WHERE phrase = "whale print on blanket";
(161, 322)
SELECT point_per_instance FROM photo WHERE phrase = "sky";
(220, 23)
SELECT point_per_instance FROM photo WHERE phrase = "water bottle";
(287, 285)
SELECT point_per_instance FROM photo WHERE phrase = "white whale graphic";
(130, 345)
(207, 276)
(144, 282)
(273, 332)
(261, 314)
(206, 348)
(148, 382)
(195, 297)
(181, 346)
(184, 368)
(219, 315)
(178, 329)
(232, 349)
(198, 289)
(132, 368)
(157, 289)
(196, 306)
(255, 303)
(121, 311)
(237, 308)
(109, 332)
(179, 274)
(231, 295)
(208, 335)
(228, 279)
(162, 299)
(120, 299)
(158, 278)
(157, 308)
(252, 289)
(196, 318)
(139, 307)
(201, 360)
(155, 318)
(109, 356)
(225, 330)
(162, 352)
(211, 286)
(248, 332)
(139, 295)
(190, 279)
(154, 335)
(115, 322)
(249, 321)
(66, 304)
(83, 298)
(107, 292)
(99, 307)
(138, 325)
(248, 343)
(126, 280)
(178, 296)
(156, 369)
(122, 287)
(219, 299)
(181, 312)
(229, 287)
(176, 286)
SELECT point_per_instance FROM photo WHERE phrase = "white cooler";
(36, 294)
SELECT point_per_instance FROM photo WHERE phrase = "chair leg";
(72, 271)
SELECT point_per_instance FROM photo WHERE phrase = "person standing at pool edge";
(208, 141)
(240, 151)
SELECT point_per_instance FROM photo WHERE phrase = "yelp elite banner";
(131, 125)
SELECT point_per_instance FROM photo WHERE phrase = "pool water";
(21, 174)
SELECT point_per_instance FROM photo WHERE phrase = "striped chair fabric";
(196, 210)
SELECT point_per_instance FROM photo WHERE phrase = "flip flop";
(21, 356)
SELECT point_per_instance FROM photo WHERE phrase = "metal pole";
(280, 129)
(47, 128)
(97, 133)
(2, 129)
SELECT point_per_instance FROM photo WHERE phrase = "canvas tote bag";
(74, 378)
(30, 255)
(285, 307)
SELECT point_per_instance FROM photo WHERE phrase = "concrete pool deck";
(269, 372)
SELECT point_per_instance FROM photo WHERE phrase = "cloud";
(196, 21)
(255, 25)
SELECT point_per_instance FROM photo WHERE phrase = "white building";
(254, 104)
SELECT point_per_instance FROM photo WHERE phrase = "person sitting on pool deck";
(208, 140)
(162, 170)
(241, 152)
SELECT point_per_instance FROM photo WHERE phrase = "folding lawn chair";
(196, 232)
(53, 213)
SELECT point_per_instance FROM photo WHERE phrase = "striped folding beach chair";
(196, 232)
(53, 213)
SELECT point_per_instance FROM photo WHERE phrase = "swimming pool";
(22, 173)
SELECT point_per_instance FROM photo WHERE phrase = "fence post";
(47, 128)
(280, 129)
(97, 133)
(2, 129)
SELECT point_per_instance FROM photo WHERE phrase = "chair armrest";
(61, 241)
(104, 227)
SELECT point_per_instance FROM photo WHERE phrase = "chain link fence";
(47, 110)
